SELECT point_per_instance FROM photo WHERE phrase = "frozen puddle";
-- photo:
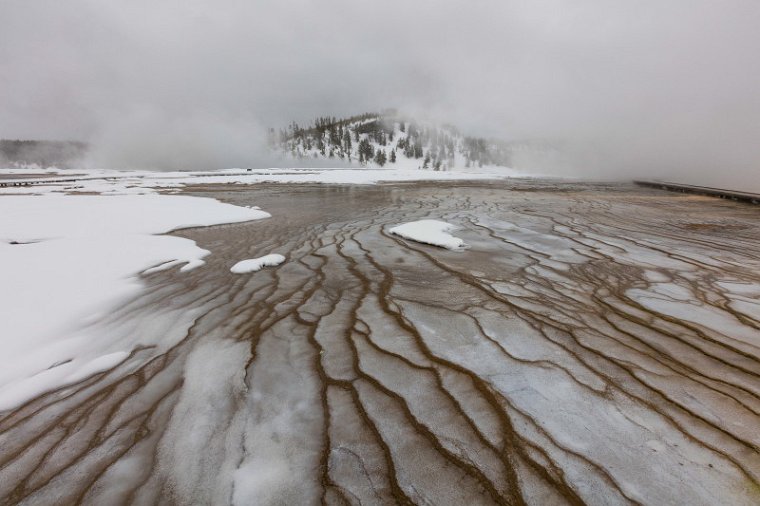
(256, 264)
(433, 232)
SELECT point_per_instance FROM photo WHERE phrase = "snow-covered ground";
(66, 259)
(109, 182)
(432, 232)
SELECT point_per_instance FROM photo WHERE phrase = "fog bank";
(636, 89)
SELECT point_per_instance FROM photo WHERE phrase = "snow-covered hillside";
(388, 139)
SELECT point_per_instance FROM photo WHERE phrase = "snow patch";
(97, 365)
(64, 259)
(432, 232)
(18, 392)
(256, 264)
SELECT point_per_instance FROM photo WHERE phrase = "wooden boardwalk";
(752, 198)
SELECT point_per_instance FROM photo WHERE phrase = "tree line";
(383, 137)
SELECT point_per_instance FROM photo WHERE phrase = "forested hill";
(388, 139)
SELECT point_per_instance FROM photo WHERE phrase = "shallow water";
(596, 344)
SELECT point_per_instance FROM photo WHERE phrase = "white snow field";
(112, 182)
(433, 232)
(256, 264)
(66, 259)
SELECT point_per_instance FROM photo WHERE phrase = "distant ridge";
(389, 138)
(42, 153)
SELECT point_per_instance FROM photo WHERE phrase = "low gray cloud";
(629, 89)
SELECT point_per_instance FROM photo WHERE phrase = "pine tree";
(366, 152)
(321, 145)
(334, 137)
(409, 149)
(380, 157)
(393, 156)
(347, 141)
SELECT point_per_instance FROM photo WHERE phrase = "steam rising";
(635, 89)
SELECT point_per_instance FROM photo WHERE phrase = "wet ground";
(597, 344)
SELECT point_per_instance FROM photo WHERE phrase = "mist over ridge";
(638, 90)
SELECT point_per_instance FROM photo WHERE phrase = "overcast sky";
(637, 87)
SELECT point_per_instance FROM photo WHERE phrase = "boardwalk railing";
(752, 198)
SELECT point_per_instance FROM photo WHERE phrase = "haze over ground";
(631, 90)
